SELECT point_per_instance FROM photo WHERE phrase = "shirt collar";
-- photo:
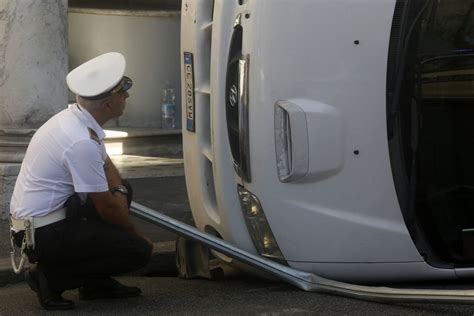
(88, 119)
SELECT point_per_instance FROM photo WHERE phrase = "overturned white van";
(334, 136)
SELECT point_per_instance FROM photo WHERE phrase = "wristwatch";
(120, 188)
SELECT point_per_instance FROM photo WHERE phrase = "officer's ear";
(107, 104)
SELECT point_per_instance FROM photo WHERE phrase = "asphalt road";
(238, 295)
(231, 296)
(166, 195)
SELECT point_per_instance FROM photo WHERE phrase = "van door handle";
(291, 141)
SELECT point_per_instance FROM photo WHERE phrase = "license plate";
(189, 88)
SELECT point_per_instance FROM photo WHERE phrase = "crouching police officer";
(70, 208)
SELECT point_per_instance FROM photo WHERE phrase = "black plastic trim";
(405, 14)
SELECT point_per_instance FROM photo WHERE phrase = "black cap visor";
(124, 84)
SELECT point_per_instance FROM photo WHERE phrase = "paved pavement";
(240, 295)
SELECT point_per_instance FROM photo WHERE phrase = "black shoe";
(107, 288)
(48, 299)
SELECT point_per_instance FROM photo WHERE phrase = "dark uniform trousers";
(83, 249)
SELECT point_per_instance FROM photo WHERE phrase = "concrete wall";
(150, 43)
(8, 175)
(33, 39)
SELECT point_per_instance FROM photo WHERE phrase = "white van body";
(317, 150)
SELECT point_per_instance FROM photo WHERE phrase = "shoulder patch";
(93, 135)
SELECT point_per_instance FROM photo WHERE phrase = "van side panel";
(330, 59)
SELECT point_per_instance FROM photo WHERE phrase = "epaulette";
(93, 135)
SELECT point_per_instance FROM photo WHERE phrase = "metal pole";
(304, 280)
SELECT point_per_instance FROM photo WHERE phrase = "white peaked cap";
(97, 76)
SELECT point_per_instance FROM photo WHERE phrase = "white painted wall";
(149, 42)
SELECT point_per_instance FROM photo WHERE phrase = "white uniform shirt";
(65, 155)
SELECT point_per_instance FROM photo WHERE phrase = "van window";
(435, 106)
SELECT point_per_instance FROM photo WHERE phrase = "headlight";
(258, 227)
